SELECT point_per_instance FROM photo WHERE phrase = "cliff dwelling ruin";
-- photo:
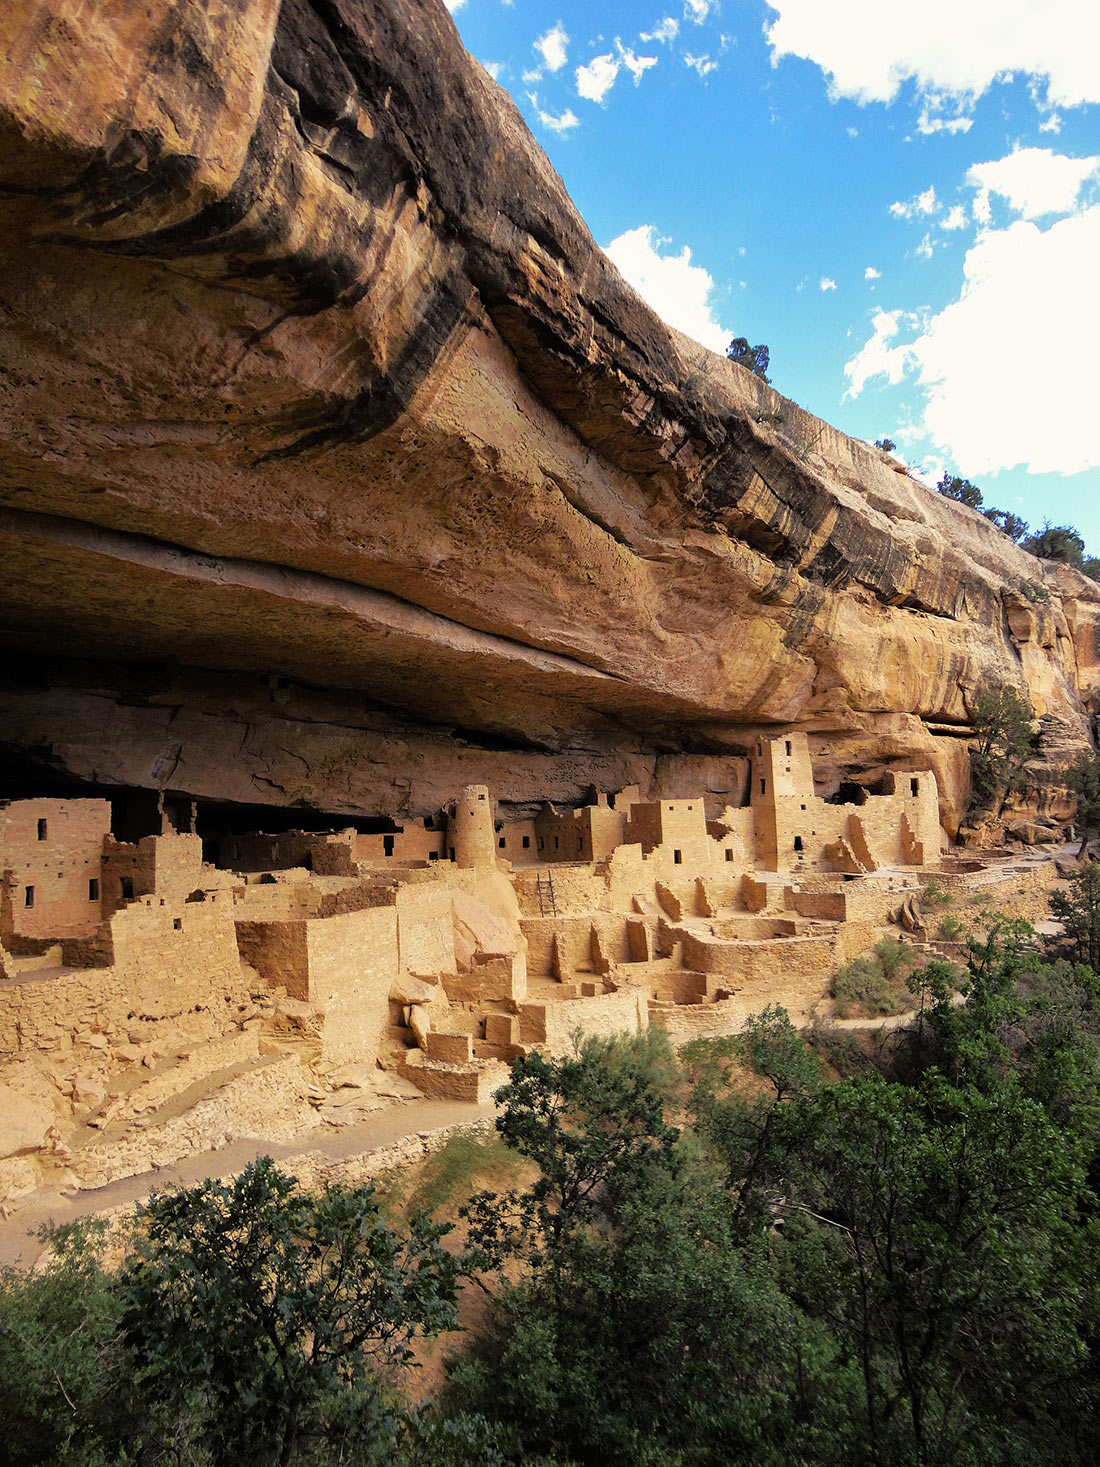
(153, 1002)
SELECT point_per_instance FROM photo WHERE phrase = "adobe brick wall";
(51, 849)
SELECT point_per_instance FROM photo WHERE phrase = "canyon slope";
(339, 469)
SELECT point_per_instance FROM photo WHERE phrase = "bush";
(950, 929)
(840, 1049)
(862, 985)
(935, 894)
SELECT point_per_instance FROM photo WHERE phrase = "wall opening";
(763, 785)
(678, 857)
(729, 854)
(42, 826)
(93, 889)
(387, 845)
(28, 896)
(177, 924)
(127, 885)
(798, 842)
(788, 742)
(500, 843)
(526, 842)
(914, 786)
(452, 853)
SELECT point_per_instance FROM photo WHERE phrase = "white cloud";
(1053, 123)
(595, 80)
(636, 65)
(872, 274)
(853, 132)
(533, 76)
(494, 68)
(925, 248)
(925, 203)
(955, 218)
(453, 5)
(553, 47)
(878, 357)
(869, 48)
(1035, 181)
(561, 124)
(665, 30)
(697, 10)
(704, 65)
(984, 407)
(827, 284)
(678, 291)
(927, 124)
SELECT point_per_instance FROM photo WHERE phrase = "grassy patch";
(443, 1181)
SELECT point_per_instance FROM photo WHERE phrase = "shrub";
(950, 929)
(862, 985)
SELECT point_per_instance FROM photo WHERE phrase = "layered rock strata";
(339, 467)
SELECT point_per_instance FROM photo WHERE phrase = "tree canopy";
(755, 358)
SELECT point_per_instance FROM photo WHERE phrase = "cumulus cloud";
(453, 5)
(678, 291)
(704, 65)
(869, 48)
(827, 284)
(1021, 285)
(553, 47)
(872, 274)
(924, 203)
(494, 68)
(665, 30)
(697, 10)
(955, 218)
(1035, 181)
(562, 123)
(927, 124)
(595, 80)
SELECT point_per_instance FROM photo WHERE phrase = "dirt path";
(384, 1127)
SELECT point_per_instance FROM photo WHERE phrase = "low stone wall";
(554, 1023)
(775, 961)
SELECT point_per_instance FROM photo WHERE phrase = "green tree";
(937, 1227)
(60, 1384)
(886, 444)
(1011, 524)
(755, 358)
(1003, 745)
(257, 1318)
(961, 490)
(1056, 542)
(1079, 912)
(1083, 779)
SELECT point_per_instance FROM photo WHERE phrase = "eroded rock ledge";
(333, 452)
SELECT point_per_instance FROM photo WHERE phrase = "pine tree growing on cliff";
(1004, 743)
(961, 490)
(756, 358)
(1083, 778)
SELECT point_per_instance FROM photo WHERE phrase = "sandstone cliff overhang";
(334, 454)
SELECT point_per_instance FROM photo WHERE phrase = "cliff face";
(338, 466)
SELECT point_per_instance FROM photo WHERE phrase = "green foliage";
(450, 1173)
(257, 1317)
(935, 894)
(886, 444)
(1003, 745)
(1056, 542)
(60, 1397)
(1011, 524)
(871, 987)
(894, 956)
(755, 358)
(841, 1049)
(774, 418)
(1083, 779)
(961, 490)
(1079, 912)
(950, 929)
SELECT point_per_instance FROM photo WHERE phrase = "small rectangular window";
(481, 797)
(452, 853)
(500, 843)
(433, 855)
(28, 896)
(555, 842)
(177, 923)
(387, 845)
(729, 854)
(127, 885)
(42, 830)
(788, 748)
(526, 842)
(93, 889)
(914, 786)
(678, 857)
(763, 784)
(798, 842)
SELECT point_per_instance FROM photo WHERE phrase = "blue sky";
(901, 200)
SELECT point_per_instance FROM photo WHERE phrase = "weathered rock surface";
(339, 468)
